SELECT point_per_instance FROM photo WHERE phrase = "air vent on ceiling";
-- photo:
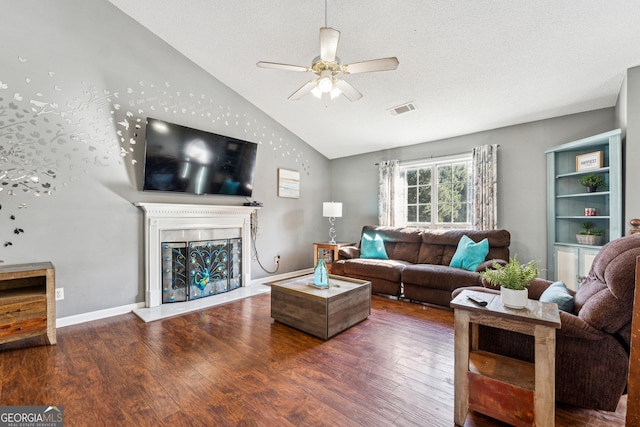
(401, 109)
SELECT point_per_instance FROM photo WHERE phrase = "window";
(437, 193)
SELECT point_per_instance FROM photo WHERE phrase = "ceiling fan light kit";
(325, 83)
(320, 94)
(327, 66)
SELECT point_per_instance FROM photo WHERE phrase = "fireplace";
(199, 269)
(195, 251)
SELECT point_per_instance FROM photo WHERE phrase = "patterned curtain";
(485, 187)
(388, 177)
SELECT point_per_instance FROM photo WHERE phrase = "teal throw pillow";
(558, 293)
(469, 254)
(372, 247)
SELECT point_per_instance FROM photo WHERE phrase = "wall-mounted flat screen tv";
(187, 160)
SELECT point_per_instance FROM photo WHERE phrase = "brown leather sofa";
(418, 264)
(592, 344)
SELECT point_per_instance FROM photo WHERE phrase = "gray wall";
(521, 181)
(627, 112)
(76, 78)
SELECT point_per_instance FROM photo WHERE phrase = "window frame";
(433, 164)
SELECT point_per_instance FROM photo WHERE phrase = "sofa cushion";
(558, 293)
(372, 247)
(386, 269)
(431, 254)
(401, 243)
(439, 246)
(347, 252)
(439, 277)
(469, 254)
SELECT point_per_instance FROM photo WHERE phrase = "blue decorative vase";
(321, 274)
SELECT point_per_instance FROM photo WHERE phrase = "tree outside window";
(445, 203)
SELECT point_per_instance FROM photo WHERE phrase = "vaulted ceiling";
(467, 66)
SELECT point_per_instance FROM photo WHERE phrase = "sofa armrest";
(489, 264)
(537, 287)
(348, 252)
(457, 291)
(574, 327)
(486, 266)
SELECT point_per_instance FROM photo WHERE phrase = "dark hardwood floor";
(232, 365)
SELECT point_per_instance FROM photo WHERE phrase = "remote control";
(478, 300)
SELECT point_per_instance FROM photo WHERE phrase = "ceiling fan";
(327, 66)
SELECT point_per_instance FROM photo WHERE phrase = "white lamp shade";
(332, 209)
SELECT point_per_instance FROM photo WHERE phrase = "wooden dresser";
(27, 302)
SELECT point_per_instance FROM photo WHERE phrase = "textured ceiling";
(467, 66)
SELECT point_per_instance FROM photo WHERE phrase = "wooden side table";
(334, 247)
(27, 302)
(516, 392)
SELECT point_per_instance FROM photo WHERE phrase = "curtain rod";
(431, 157)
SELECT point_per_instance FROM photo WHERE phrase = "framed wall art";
(288, 183)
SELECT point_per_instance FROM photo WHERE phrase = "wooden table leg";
(51, 305)
(315, 255)
(544, 399)
(461, 364)
(473, 345)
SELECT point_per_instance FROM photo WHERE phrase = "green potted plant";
(513, 279)
(589, 235)
(592, 181)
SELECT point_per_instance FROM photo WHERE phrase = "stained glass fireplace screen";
(193, 270)
(235, 263)
(174, 272)
(208, 269)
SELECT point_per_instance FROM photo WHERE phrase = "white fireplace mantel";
(159, 217)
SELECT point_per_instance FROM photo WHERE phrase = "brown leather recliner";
(592, 345)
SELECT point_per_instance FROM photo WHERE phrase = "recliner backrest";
(605, 298)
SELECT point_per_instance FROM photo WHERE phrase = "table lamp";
(332, 210)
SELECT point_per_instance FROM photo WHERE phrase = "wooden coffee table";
(323, 313)
(511, 390)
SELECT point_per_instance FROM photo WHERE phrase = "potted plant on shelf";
(592, 181)
(589, 235)
(513, 279)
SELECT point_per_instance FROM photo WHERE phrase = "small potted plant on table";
(592, 181)
(589, 235)
(513, 279)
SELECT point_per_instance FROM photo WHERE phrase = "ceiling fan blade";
(350, 92)
(306, 88)
(382, 64)
(329, 44)
(287, 67)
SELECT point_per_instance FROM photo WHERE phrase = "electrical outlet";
(59, 293)
(276, 259)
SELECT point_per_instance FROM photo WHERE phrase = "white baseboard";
(116, 311)
(96, 315)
